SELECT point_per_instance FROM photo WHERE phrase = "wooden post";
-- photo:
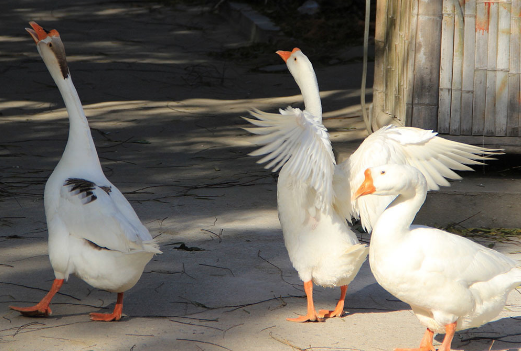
(490, 101)
(457, 70)
(503, 51)
(380, 39)
(447, 48)
(514, 68)
(427, 63)
(467, 86)
(411, 54)
(480, 73)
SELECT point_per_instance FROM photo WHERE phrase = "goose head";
(390, 179)
(302, 71)
(298, 64)
(51, 49)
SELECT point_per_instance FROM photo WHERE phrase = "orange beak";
(367, 186)
(286, 54)
(38, 33)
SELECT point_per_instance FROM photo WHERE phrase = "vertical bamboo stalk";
(457, 70)
(467, 85)
(490, 103)
(391, 54)
(514, 69)
(410, 62)
(380, 38)
(447, 45)
(404, 16)
(480, 73)
(427, 63)
(503, 50)
(398, 57)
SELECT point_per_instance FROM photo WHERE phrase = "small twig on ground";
(285, 342)
(196, 325)
(280, 271)
(205, 342)
(208, 265)
(219, 236)
(224, 331)
(27, 325)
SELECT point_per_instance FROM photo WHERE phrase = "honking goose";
(94, 232)
(314, 194)
(450, 282)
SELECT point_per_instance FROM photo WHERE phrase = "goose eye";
(295, 59)
(382, 172)
(50, 45)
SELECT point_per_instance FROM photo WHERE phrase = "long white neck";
(80, 151)
(307, 82)
(394, 223)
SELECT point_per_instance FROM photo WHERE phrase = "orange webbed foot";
(306, 318)
(33, 311)
(108, 317)
(105, 317)
(41, 309)
(331, 314)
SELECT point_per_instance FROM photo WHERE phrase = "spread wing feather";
(297, 140)
(435, 157)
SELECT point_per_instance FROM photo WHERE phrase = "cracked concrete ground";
(165, 117)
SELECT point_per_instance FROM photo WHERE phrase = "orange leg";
(114, 316)
(425, 345)
(450, 329)
(41, 309)
(339, 309)
(312, 315)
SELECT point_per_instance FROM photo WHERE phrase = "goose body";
(450, 282)
(94, 232)
(314, 194)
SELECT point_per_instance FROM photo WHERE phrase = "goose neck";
(80, 146)
(399, 215)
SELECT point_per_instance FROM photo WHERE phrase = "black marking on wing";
(83, 187)
(96, 246)
(106, 189)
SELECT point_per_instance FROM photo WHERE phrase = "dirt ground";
(165, 116)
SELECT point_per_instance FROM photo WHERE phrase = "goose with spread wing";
(314, 193)
(94, 232)
(450, 282)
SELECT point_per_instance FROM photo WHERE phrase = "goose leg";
(450, 329)
(426, 343)
(114, 316)
(339, 309)
(311, 316)
(41, 309)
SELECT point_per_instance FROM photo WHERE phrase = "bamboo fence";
(449, 65)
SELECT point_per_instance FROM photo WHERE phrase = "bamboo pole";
(503, 51)
(400, 97)
(427, 63)
(480, 73)
(410, 62)
(391, 54)
(514, 70)
(447, 45)
(467, 93)
(380, 38)
(490, 100)
(457, 70)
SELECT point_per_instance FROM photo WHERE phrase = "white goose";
(314, 194)
(450, 282)
(94, 232)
